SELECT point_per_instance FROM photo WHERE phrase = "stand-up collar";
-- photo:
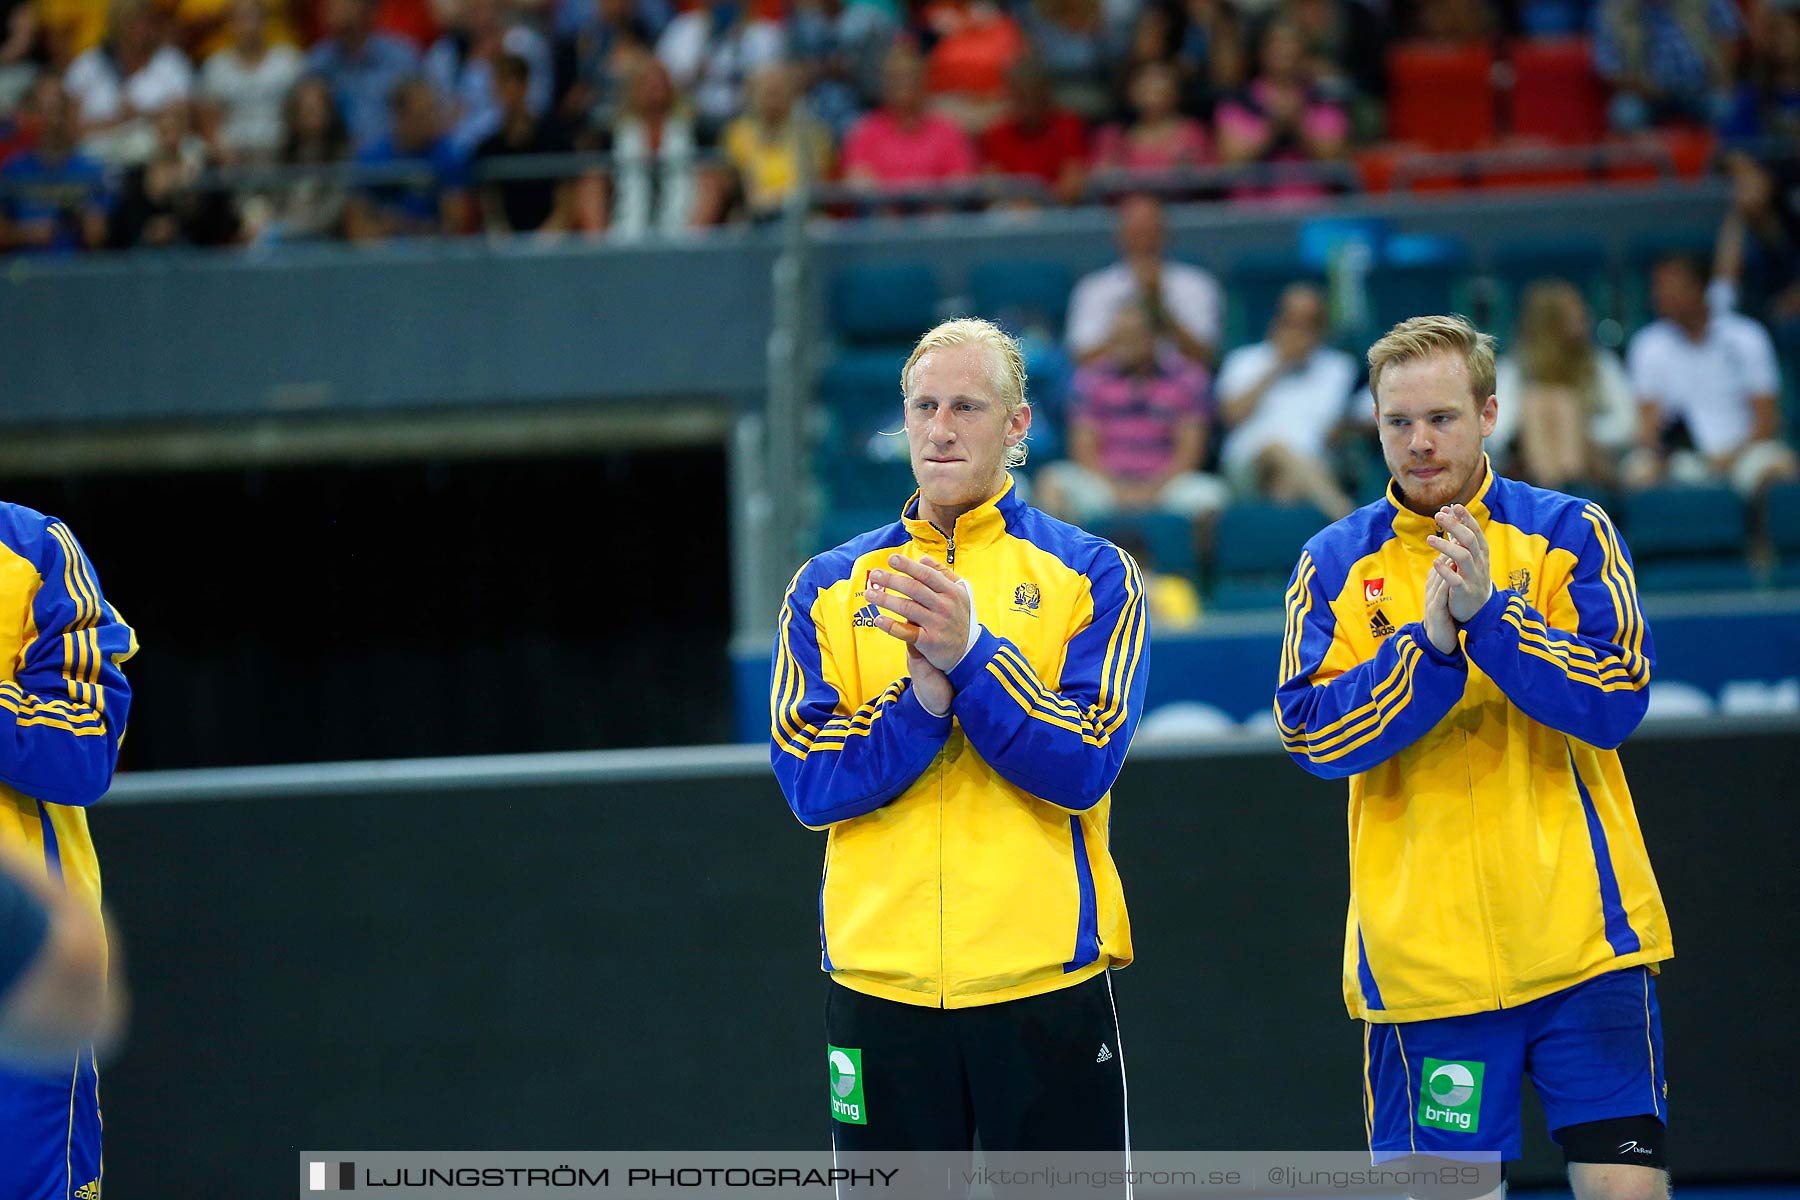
(981, 526)
(1414, 529)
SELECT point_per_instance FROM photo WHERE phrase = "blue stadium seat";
(1784, 533)
(1252, 288)
(1018, 294)
(1255, 552)
(878, 303)
(858, 482)
(1167, 537)
(1401, 290)
(1518, 265)
(865, 370)
(1687, 539)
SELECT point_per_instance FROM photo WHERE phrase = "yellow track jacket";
(968, 859)
(1495, 856)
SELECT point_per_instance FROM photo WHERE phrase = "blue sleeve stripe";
(1609, 674)
(785, 727)
(1389, 703)
(1299, 604)
(1053, 704)
(1021, 694)
(1376, 695)
(81, 646)
(833, 734)
(1121, 664)
(1615, 571)
(54, 714)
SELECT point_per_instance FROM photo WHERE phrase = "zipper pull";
(951, 556)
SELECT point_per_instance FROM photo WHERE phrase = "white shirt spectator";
(251, 96)
(1299, 410)
(713, 64)
(1707, 384)
(94, 83)
(1614, 424)
(1191, 296)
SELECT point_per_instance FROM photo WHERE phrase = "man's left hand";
(1462, 561)
(931, 603)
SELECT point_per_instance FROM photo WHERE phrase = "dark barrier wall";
(636, 967)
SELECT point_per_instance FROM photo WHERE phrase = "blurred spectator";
(461, 66)
(1707, 384)
(1035, 138)
(839, 48)
(1759, 242)
(766, 144)
(531, 205)
(1345, 59)
(1665, 59)
(1281, 400)
(1566, 409)
(1183, 303)
(1137, 433)
(204, 27)
(1451, 22)
(1280, 117)
(430, 199)
(52, 197)
(316, 135)
(22, 50)
(125, 81)
(246, 84)
(712, 50)
(1213, 63)
(1159, 137)
(658, 183)
(593, 62)
(972, 45)
(363, 67)
(902, 142)
(1767, 102)
(162, 202)
(1068, 37)
(575, 17)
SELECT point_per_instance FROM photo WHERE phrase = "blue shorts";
(50, 1132)
(1593, 1052)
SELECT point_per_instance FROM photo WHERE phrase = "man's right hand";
(1440, 626)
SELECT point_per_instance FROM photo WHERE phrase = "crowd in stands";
(144, 122)
(1157, 417)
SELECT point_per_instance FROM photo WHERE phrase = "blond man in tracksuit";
(952, 698)
(1469, 652)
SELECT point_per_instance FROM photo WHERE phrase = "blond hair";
(1007, 360)
(1421, 337)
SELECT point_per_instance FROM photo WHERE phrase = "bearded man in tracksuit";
(1469, 653)
(952, 698)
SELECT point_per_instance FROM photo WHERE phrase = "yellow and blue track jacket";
(1495, 856)
(62, 644)
(968, 859)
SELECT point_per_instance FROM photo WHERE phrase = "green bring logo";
(847, 1085)
(1451, 1095)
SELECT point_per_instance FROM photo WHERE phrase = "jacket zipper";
(951, 556)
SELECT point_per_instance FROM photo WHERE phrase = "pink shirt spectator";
(1134, 417)
(934, 148)
(1115, 148)
(1243, 119)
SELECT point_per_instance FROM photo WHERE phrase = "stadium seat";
(1556, 93)
(1401, 290)
(1783, 509)
(1441, 96)
(1255, 552)
(1518, 265)
(883, 302)
(1162, 542)
(1687, 539)
(1252, 288)
(1018, 294)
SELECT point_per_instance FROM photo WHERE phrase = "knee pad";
(1629, 1141)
